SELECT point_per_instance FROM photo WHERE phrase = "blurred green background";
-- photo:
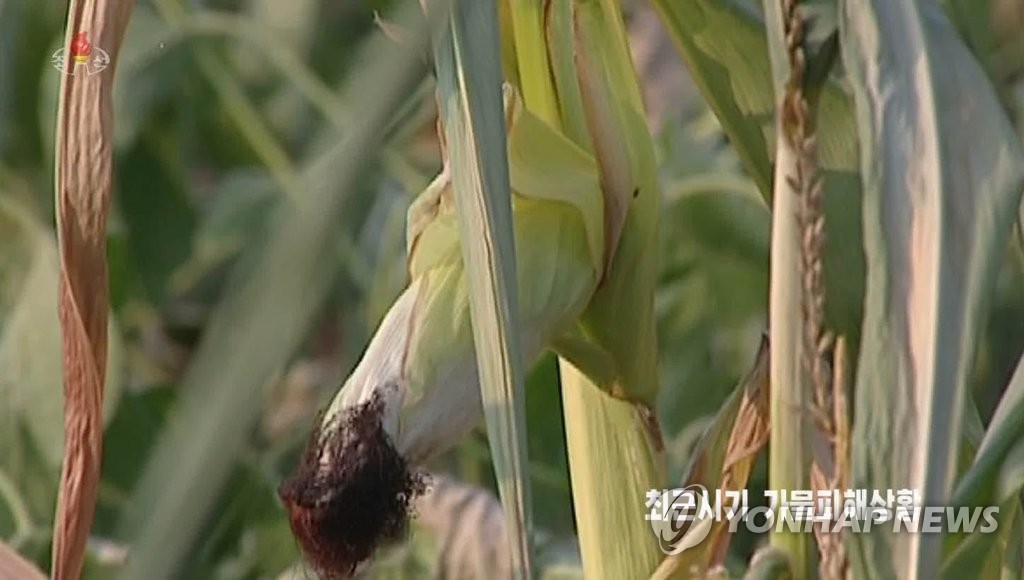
(222, 110)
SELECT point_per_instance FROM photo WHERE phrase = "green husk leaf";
(611, 354)
(618, 325)
(536, 84)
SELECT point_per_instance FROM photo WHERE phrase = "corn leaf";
(560, 46)
(609, 367)
(619, 321)
(84, 161)
(981, 484)
(723, 460)
(11, 17)
(615, 458)
(725, 47)
(989, 555)
(994, 479)
(603, 434)
(469, 85)
(527, 18)
(942, 174)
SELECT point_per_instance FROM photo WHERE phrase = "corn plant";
(808, 374)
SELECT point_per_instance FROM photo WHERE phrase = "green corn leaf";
(618, 325)
(615, 458)
(604, 434)
(725, 47)
(994, 479)
(988, 555)
(561, 52)
(469, 85)
(982, 485)
(527, 18)
(942, 174)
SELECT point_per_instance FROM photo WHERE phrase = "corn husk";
(415, 392)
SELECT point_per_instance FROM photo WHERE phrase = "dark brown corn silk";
(352, 492)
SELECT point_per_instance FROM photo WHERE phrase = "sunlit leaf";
(942, 173)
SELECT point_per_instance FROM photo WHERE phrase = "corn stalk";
(796, 309)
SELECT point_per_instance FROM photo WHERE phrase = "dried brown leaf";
(749, 436)
(725, 464)
(83, 178)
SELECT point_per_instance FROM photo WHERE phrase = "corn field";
(557, 289)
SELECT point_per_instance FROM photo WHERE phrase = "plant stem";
(613, 462)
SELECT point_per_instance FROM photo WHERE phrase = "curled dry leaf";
(723, 460)
(83, 181)
(748, 437)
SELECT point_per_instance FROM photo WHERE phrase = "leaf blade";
(469, 85)
(937, 213)
(83, 178)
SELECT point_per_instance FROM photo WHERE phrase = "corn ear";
(424, 345)
(416, 392)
